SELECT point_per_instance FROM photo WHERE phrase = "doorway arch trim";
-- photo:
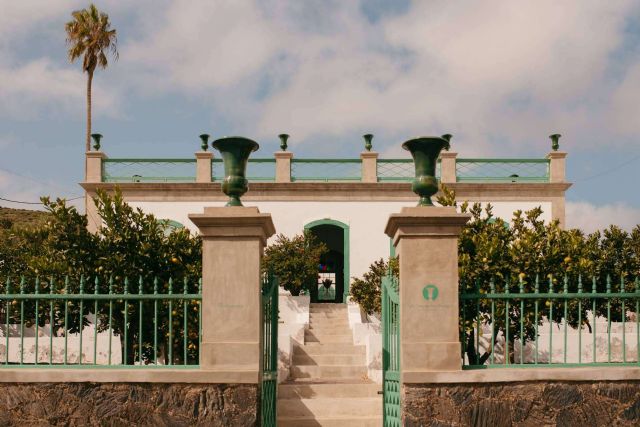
(345, 249)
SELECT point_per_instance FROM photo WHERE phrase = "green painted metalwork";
(257, 170)
(514, 312)
(64, 308)
(283, 141)
(235, 151)
(399, 170)
(425, 152)
(96, 141)
(204, 141)
(502, 170)
(345, 249)
(149, 170)
(269, 372)
(392, 415)
(326, 170)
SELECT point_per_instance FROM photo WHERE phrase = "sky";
(499, 76)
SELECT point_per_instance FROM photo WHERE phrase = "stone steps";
(328, 384)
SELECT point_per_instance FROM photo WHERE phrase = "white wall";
(366, 220)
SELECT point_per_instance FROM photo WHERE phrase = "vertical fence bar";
(51, 285)
(637, 321)
(184, 321)
(536, 303)
(95, 321)
(155, 322)
(6, 356)
(66, 319)
(550, 320)
(478, 324)
(506, 323)
(521, 322)
(199, 316)
(81, 319)
(170, 349)
(624, 321)
(110, 317)
(566, 291)
(22, 322)
(126, 323)
(140, 285)
(580, 318)
(492, 289)
(37, 316)
(608, 319)
(593, 291)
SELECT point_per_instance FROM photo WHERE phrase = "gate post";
(233, 239)
(426, 240)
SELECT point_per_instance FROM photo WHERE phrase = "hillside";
(21, 218)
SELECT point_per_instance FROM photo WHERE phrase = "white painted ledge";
(500, 375)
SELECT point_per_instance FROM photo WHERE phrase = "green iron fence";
(391, 352)
(502, 170)
(149, 170)
(269, 386)
(326, 170)
(114, 322)
(257, 170)
(399, 170)
(552, 322)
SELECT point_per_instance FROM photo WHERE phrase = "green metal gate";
(391, 352)
(269, 385)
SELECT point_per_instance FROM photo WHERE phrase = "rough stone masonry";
(523, 404)
(82, 404)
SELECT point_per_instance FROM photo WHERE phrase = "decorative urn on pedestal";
(425, 151)
(235, 151)
(96, 141)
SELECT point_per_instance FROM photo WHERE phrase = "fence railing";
(502, 170)
(399, 170)
(551, 322)
(97, 322)
(326, 170)
(149, 170)
(257, 170)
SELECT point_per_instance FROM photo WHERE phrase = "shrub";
(294, 260)
(368, 290)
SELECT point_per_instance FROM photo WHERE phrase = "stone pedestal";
(426, 240)
(557, 160)
(94, 161)
(369, 166)
(448, 167)
(233, 239)
(283, 166)
(203, 166)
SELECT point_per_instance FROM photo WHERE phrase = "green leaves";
(294, 260)
(367, 291)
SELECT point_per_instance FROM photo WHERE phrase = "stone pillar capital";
(448, 167)
(413, 222)
(369, 166)
(203, 166)
(283, 165)
(234, 222)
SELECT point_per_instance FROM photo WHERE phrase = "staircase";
(328, 385)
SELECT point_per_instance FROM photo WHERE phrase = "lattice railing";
(502, 170)
(399, 170)
(257, 170)
(326, 170)
(149, 170)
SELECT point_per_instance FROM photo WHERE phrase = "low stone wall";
(523, 404)
(80, 404)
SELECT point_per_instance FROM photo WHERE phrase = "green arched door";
(333, 271)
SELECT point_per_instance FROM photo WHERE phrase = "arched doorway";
(334, 266)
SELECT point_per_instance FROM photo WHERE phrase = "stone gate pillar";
(233, 239)
(426, 240)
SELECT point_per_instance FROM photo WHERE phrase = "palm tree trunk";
(89, 80)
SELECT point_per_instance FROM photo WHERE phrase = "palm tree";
(89, 35)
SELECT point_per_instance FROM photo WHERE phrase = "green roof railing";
(326, 170)
(502, 170)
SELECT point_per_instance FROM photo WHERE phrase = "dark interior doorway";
(332, 274)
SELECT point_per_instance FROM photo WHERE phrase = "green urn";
(235, 151)
(96, 141)
(425, 151)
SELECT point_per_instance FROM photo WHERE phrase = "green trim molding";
(345, 249)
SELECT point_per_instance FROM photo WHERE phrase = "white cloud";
(512, 72)
(590, 217)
